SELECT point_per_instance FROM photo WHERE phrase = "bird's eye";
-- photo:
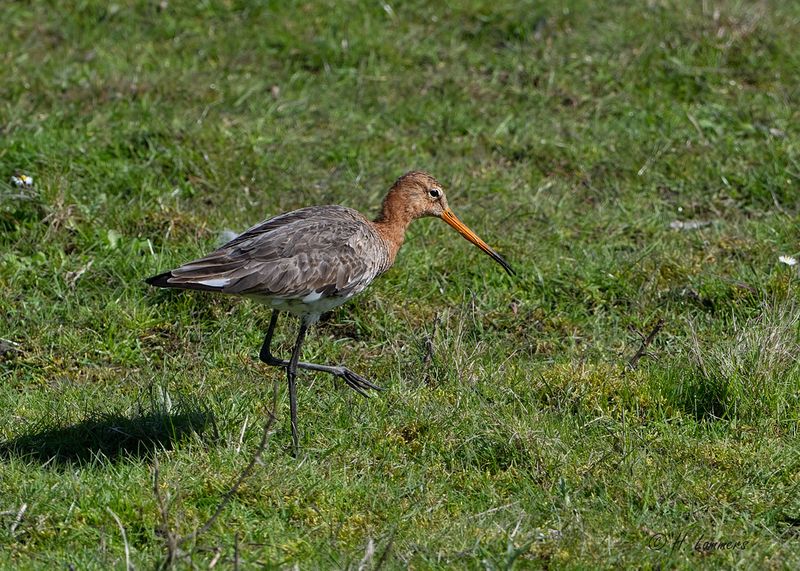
(435, 192)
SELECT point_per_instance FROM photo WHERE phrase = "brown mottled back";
(331, 250)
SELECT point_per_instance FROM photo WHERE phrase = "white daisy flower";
(22, 181)
(788, 260)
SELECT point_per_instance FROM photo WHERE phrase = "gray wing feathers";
(330, 250)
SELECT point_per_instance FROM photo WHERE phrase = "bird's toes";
(365, 383)
(355, 386)
(358, 382)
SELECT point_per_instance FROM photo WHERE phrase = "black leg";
(291, 373)
(266, 355)
(353, 380)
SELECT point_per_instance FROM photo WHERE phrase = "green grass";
(568, 137)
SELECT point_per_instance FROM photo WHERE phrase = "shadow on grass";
(107, 437)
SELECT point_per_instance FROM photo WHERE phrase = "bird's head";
(417, 194)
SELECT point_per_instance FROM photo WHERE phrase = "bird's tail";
(161, 280)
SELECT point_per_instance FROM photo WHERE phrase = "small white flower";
(788, 260)
(22, 181)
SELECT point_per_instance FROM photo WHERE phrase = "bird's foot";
(356, 381)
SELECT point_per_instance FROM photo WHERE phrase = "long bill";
(462, 229)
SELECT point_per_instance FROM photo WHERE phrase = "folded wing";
(322, 250)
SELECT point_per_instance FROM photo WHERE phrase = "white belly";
(310, 305)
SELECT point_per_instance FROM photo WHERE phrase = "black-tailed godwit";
(308, 261)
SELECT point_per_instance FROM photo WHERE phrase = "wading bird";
(308, 261)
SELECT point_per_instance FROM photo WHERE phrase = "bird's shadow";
(108, 437)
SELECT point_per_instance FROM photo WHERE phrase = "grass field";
(637, 162)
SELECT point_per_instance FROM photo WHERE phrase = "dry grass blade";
(646, 341)
(128, 564)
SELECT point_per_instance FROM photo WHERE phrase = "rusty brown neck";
(396, 214)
